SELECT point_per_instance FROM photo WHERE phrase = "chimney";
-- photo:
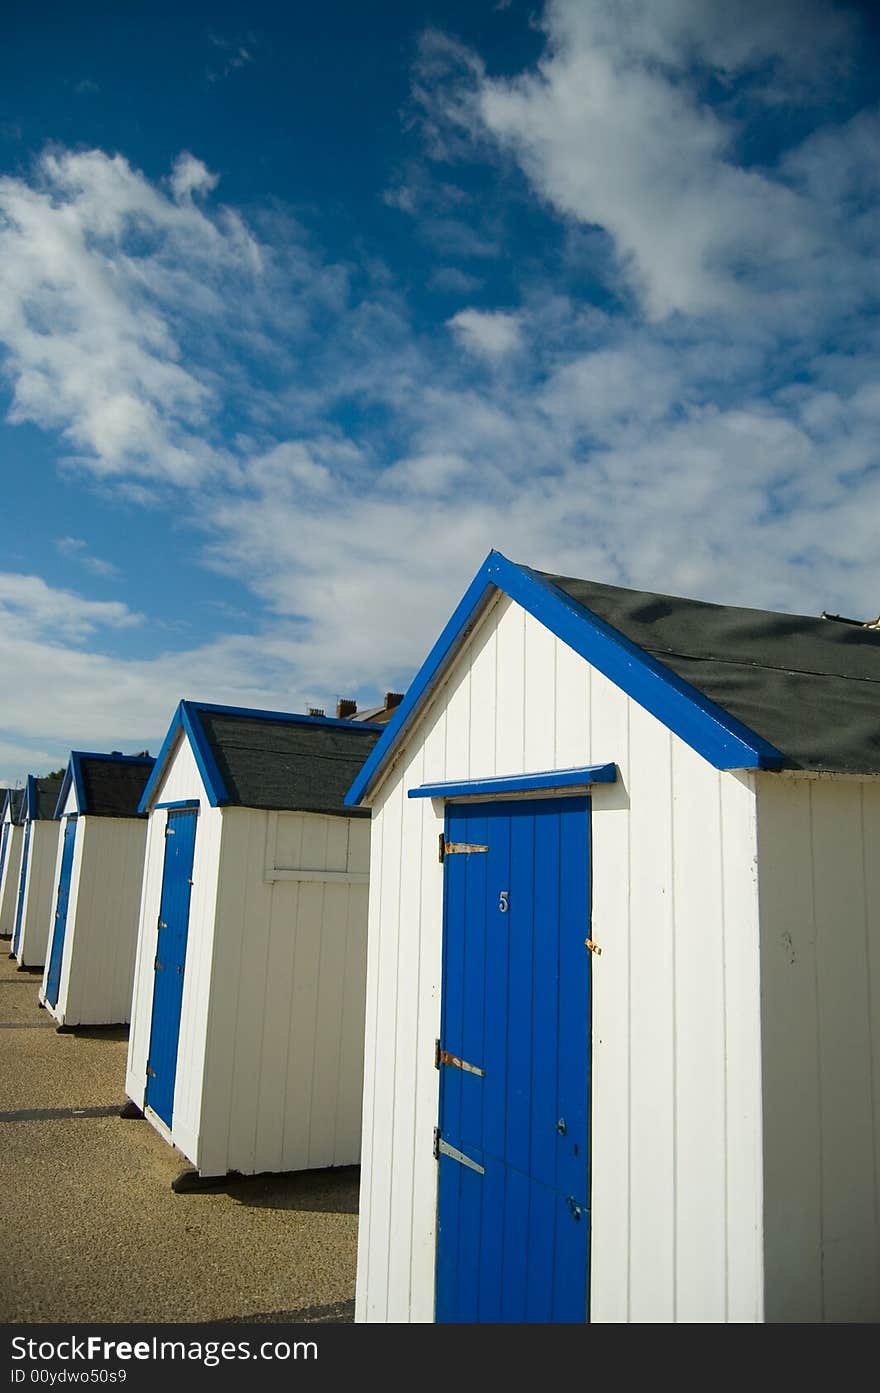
(314, 710)
(345, 708)
(393, 699)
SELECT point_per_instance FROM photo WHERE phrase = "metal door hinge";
(442, 1148)
(170, 832)
(446, 848)
(150, 1073)
(453, 1061)
(157, 966)
(593, 947)
(162, 924)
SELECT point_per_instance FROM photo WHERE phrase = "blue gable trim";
(187, 719)
(65, 789)
(722, 740)
(31, 803)
(519, 783)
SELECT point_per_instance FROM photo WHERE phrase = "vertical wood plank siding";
(10, 877)
(820, 965)
(676, 1194)
(38, 892)
(97, 968)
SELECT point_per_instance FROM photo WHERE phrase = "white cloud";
(488, 334)
(29, 606)
(190, 176)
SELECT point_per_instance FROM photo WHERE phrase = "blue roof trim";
(452, 637)
(186, 718)
(30, 798)
(65, 789)
(519, 783)
(722, 740)
(181, 803)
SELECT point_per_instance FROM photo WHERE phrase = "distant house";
(96, 889)
(624, 957)
(11, 837)
(246, 1046)
(39, 846)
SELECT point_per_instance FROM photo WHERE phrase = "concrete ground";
(90, 1229)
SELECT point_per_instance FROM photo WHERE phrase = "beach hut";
(246, 1044)
(11, 837)
(39, 847)
(622, 1038)
(96, 890)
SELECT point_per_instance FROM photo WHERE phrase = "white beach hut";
(39, 847)
(96, 890)
(635, 990)
(246, 1044)
(11, 838)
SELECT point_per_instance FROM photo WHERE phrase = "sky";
(304, 308)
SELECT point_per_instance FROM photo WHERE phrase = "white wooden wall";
(819, 883)
(38, 906)
(182, 782)
(284, 1054)
(676, 1126)
(11, 875)
(97, 966)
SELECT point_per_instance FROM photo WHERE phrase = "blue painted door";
(180, 842)
(59, 927)
(22, 882)
(4, 838)
(513, 1221)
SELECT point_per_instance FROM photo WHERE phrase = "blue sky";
(304, 308)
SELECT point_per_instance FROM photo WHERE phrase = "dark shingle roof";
(47, 797)
(113, 787)
(284, 764)
(811, 687)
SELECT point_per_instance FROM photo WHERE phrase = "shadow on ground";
(333, 1191)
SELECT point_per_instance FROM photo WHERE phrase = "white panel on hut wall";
(325, 1142)
(182, 780)
(744, 1186)
(285, 845)
(359, 847)
(870, 841)
(64, 984)
(607, 739)
(383, 1122)
(70, 803)
(539, 696)
(850, 1253)
(238, 1005)
(366, 1234)
(38, 894)
(197, 985)
(11, 875)
(572, 726)
(350, 1090)
(792, 1113)
(105, 922)
(482, 725)
(700, 1076)
(509, 619)
(428, 817)
(408, 1146)
(145, 951)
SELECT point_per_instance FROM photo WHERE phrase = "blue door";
(22, 882)
(513, 1221)
(59, 927)
(180, 844)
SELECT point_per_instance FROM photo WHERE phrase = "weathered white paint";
(38, 901)
(270, 1062)
(97, 966)
(819, 885)
(676, 1102)
(11, 875)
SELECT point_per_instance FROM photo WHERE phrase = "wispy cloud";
(77, 549)
(230, 56)
(86, 88)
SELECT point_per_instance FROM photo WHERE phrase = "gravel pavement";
(90, 1229)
